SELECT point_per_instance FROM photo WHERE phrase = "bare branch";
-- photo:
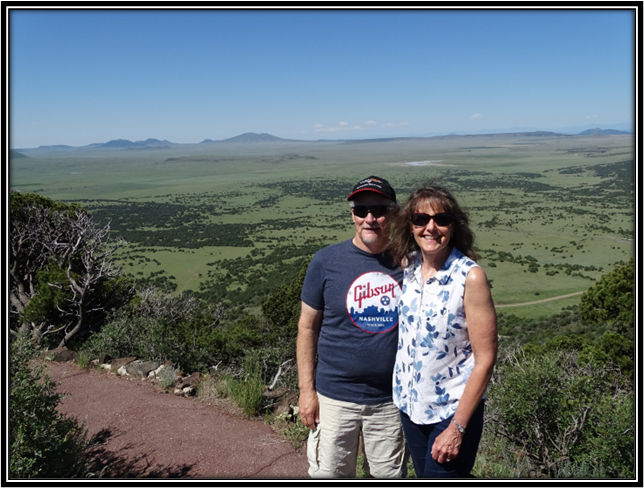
(71, 240)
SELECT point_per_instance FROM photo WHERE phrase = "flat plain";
(551, 213)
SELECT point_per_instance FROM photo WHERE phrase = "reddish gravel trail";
(144, 433)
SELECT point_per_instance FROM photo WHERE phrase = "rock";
(121, 371)
(59, 355)
(188, 391)
(154, 374)
(283, 400)
(104, 359)
(192, 380)
(140, 368)
(106, 366)
(117, 363)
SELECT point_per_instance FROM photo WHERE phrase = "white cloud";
(342, 126)
(475, 116)
(346, 126)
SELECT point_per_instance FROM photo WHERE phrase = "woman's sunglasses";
(440, 219)
(376, 210)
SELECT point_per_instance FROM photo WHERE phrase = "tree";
(61, 272)
(612, 299)
(282, 309)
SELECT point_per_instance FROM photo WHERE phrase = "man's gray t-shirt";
(358, 294)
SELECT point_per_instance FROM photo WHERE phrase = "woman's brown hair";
(402, 243)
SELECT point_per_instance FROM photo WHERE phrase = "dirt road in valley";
(539, 301)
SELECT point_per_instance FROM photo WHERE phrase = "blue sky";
(83, 76)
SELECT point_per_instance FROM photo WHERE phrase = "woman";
(447, 343)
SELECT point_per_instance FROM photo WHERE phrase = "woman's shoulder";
(476, 273)
(462, 260)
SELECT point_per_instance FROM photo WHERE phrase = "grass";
(248, 394)
(214, 386)
(236, 395)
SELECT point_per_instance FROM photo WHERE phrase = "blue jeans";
(420, 439)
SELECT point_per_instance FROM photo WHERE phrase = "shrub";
(168, 376)
(154, 335)
(612, 299)
(42, 442)
(563, 413)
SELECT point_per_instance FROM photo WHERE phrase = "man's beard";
(371, 238)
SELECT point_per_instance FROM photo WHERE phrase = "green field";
(551, 213)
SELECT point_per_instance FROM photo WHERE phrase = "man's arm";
(308, 330)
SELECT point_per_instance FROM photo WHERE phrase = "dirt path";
(540, 301)
(145, 433)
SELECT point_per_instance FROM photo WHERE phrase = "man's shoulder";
(339, 247)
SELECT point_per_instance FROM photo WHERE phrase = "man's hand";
(309, 409)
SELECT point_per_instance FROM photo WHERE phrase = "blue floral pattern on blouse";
(434, 358)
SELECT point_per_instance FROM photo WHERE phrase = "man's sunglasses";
(376, 210)
(440, 219)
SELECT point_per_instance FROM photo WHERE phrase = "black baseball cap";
(374, 183)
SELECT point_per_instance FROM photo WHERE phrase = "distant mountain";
(151, 142)
(538, 133)
(52, 148)
(16, 155)
(130, 144)
(604, 132)
(248, 137)
(117, 143)
(253, 137)
(55, 146)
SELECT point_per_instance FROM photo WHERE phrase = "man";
(350, 320)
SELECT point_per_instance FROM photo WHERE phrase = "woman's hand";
(447, 445)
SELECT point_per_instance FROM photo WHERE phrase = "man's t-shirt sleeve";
(313, 287)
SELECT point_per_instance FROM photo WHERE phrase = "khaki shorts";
(333, 447)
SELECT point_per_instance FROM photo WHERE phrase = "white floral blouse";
(434, 358)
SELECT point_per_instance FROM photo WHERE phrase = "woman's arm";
(481, 325)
